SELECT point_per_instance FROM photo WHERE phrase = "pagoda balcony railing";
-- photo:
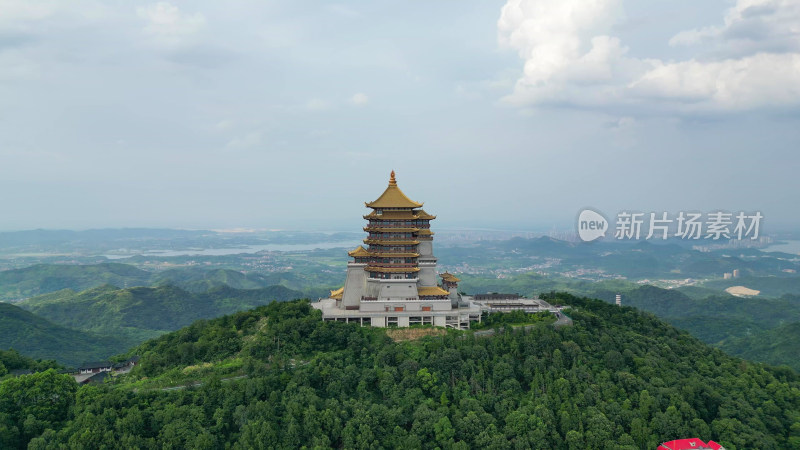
(383, 247)
(393, 265)
(412, 280)
(385, 229)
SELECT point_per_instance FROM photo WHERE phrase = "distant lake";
(239, 250)
(788, 247)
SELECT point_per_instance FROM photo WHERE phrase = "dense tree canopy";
(617, 379)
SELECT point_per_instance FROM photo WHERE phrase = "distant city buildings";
(761, 242)
(729, 275)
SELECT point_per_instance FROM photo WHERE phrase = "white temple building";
(393, 281)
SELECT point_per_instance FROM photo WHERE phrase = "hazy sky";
(496, 114)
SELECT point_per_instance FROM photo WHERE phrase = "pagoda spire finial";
(392, 180)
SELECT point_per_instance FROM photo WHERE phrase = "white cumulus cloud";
(572, 59)
(751, 26)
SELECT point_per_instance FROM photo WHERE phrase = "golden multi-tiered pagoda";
(392, 282)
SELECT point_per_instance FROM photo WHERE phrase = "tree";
(444, 431)
(32, 403)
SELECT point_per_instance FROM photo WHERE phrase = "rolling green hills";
(714, 318)
(709, 314)
(141, 313)
(40, 279)
(75, 327)
(278, 376)
(36, 337)
(201, 280)
(774, 346)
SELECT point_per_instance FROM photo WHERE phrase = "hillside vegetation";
(712, 316)
(39, 338)
(773, 346)
(618, 378)
(141, 313)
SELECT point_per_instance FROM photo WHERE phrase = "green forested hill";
(617, 379)
(774, 346)
(36, 337)
(714, 318)
(40, 279)
(201, 280)
(140, 313)
(711, 315)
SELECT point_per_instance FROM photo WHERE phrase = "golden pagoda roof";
(358, 252)
(425, 232)
(431, 291)
(425, 216)
(391, 269)
(337, 294)
(393, 197)
(449, 277)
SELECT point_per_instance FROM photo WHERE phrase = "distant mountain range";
(44, 278)
(18, 284)
(633, 260)
(141, 313)
(132, 304)
(73, 324)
